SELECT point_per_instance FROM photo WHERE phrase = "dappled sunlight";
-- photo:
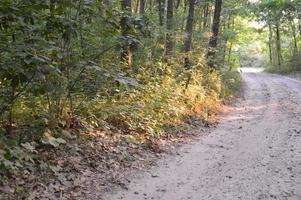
(91, 91)
(245, 112)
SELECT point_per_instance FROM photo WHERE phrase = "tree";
(280, 16)
(270, 43)
(215, 31)
(161, 9)
(278, 45)
(189, 31)
(142, 7)
(169, 28)
(205, 15)
(126, 53)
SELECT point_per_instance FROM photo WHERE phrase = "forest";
(94, 84)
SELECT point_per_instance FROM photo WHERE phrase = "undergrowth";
(290, 65)
(155, 108)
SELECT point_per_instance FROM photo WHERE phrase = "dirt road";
(254, 153)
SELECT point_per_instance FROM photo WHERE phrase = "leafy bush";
(231, 82)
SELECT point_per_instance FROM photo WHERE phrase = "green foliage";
(153, 106)
(15, 158)
(61, 76)
(231, 83)
(282, 25)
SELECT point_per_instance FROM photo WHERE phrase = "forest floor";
(253, 153)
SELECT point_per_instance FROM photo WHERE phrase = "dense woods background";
(135, 70)
(281, 20)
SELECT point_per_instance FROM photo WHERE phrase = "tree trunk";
(150, 5)
(142, 7)
(270, 44)
(296, 49)
(188, 39)
(136, 4)
(126, 54)
(215, 30)
(227, 27)
(206, 15)
(294, 37)
(229, 55)
(183, 18)
(161, 8)
(178, 4)
(169, 29)
(278, 44)
(189, 31)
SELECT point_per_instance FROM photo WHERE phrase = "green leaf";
(29, 146)
(50, 140)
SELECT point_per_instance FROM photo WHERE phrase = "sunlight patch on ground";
(244, 111)
(251, 70)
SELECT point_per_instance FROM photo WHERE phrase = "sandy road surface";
(254, 153)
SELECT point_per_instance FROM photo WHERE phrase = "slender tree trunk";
(142, 7)
(189, 26)
(178, 4)
(278, 44)
(231, 46)
(270, 44)
(184, 19)
(215, 30)
(169, 28)
(136, 6)
(150, 5)
(126, 54)
(206, 15)
(227, 26)
(296, 49)
(229, 54)
(225, 48)
(299, 27)
(188, 39)
(189, 31)
(161, 9)
(294, 37)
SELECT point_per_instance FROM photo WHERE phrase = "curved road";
(254, 153)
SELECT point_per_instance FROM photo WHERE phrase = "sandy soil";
(254, 153)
